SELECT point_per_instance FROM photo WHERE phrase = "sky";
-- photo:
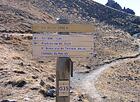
(132, 4)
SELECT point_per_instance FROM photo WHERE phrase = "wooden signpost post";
(63, 73)
(62, 46)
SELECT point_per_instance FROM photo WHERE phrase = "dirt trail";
(85, 82)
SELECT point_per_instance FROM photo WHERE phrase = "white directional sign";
(45, 45)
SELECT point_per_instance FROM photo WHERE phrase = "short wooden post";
(63, 79)
(63, 71)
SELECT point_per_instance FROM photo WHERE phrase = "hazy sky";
(132, 4)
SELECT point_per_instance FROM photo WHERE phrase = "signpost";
(62, 46)
(46, 45)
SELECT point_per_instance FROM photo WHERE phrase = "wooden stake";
(63, 70)
(63, 79)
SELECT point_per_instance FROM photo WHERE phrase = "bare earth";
(24, 79)
(112, 74)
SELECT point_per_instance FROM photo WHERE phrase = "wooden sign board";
(50, 53)
(57, 37)
(46, 45)
(63, 28)
(72, 43)
(64, 88)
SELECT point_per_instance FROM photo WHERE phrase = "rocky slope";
(18, 16)
(87, 10)
(121, 82)
(23, 79)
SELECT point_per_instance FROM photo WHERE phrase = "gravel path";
(85, 82)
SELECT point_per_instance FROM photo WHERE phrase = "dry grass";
(121, 82)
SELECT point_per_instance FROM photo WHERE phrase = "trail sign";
(63, 28)
(46, 45)
(62, 46)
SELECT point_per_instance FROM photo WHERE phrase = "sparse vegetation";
(24, 79)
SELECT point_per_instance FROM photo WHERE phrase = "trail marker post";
(63, 46)
(63, 69)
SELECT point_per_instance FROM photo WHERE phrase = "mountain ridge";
(115, 5)
(84, 10)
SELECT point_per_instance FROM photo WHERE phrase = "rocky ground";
(20, 78)
(33, 11)
(18, 16)
(121, 82)
(24, 79)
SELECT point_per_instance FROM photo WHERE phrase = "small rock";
(52, 87)
(29, 65)
(51, 93)
(51, 79)
(130, 78)
(19, 83)
(40, 61)
(26, 99)
(34, 77)
(17, 58)
(7, 37)
(48, 93)
(1, 69)
(48, 86)
(19, 72)
(42, 83)
(28, 37)
(80, 98)
(43, 92)
(34, 88)
(86, 71)
(88, 67)
(108, 82)
(7, 101)
(132, 101)
(104, 97)
(21, 64)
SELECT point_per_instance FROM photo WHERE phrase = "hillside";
(31, 79)
(23, 79)
(121, 82)
(86, 10)
(18, 16)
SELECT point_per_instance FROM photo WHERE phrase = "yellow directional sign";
(63, 28)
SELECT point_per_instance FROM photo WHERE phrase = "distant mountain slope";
(89, 9)
(86, 10)
(17, 16)
(15, 20)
